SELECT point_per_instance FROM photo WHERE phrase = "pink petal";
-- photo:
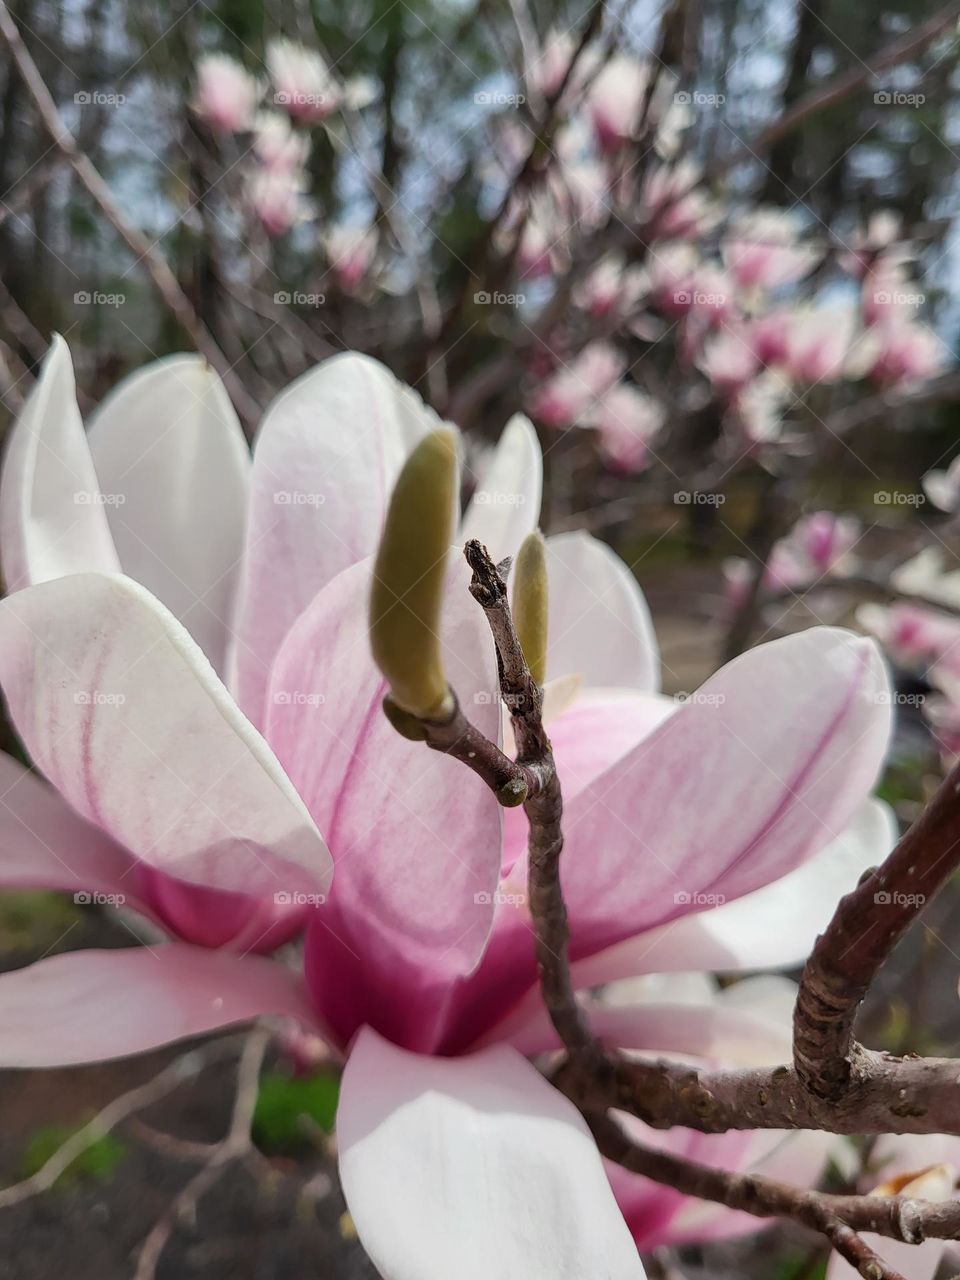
(506, 505)
(759, 770)
(773, 927)
(120, 710)
(325, 460)
(52, 519)
(175, 469)
(599, 623)
(45, 845)
(415, 836)
(473, 1167)
(587, 738)
(87, 1006)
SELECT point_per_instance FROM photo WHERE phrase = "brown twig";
(234, 1146)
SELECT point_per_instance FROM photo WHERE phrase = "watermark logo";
(94, 98)
(284, 98)
(487, 98)
(294, 498)
(296, 898)
(694, 99)
(896, 98)
(702, 698)
(686, 898)
(89, 498)
(500, 899)
(484, 299)
(886, 898)
(697, 498)
(898, 498)
(95, 898)
(297, 298)
(86, 298)
(897, 298)
(498, 499)
(298, 698)
(98, 698)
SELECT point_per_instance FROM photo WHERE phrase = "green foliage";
(97, 1162)
(288, 1107)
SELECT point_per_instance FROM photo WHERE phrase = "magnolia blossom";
(276, 145)
(277, 198)
(729, 360)
(900, 352)
(612, 288)
(192, 677)
(818, 343)
(818, 546)
(626, 420)
(303, 83)
(566, 396)
(615, 99)
(350, 252)
(675, 206)
(761, 251)
(913, 635)
(917, 1166)
(226, 94)
(943, 487)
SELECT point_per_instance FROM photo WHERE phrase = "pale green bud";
(409, 578)
(530, 603)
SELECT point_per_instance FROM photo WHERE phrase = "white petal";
(475, 1168)
(174, 466)
(506, 505)
(599, 625)
(52, 520)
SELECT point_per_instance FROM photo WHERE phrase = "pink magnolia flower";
(921, 1166)
(419, 966)
(817, 546)
(899, 352)
(276, 145)
(761, 251)
(729, 360)
(303, 83)
(913, 635)
(350, 252)
(819, 342)
(675, 204)
(612, 288)
(226, 94)
(615, 99)
(568, 394)
(626, 420)
(276, 196)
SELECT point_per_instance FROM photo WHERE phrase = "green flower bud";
(530, 603)
(409, 577)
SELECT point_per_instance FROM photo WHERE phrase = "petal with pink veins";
(87, 1006)
(52, 519)
(599, 625)
(415, 836)
(758, 771)
(175, 471)
(324, 464)
(473, 1167)
(45, 845)
(121, 711)
(506, 505)
(773, 927)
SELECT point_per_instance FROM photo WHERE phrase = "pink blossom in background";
(626, 420)
(615, 99)
(817, 546)
(277, 199)
(867, 243)
(900, 352)
(226, 94)
(612, 288)
(565, 396)
(819, 341)
(193, 680)
(729, 360)
(350, 252)
(278, 146)
(761, 252)
(303, 83)
(674, 203)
